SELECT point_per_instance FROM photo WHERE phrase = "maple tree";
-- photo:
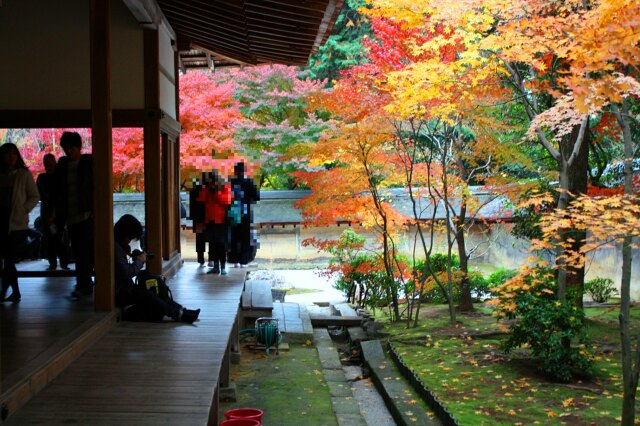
(556, 79)
(209, 115)
(435, 73)
(352, 166)
(273, 102)
(128, 159)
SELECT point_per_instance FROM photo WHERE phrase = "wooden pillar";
(102, 156)
(152, 151)
(168, 198)
(176, 145)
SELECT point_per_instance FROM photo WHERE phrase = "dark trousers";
(53, 247)
(145, 305)
(10, 247)
(81, 236)
(217, 235)
(201, 242)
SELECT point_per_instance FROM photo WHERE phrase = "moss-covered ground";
(481, 385)
(289, 387)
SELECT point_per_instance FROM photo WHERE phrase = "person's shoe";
(79, 294)
(223, 272)
(189, 315)
(14, 298)
(65, 267)
(211, 264)
(52, 268)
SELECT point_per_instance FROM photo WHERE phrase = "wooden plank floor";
(42, 318)
(146, 373)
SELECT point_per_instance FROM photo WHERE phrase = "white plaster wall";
(127, 59)
(167, 74)
(47, 47)
(44, 47)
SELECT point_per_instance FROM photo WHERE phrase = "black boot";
(3, 293)
(189, 315)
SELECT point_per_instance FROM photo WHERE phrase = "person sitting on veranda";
(137, 302)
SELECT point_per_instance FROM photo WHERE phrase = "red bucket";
(245, 414)
(240, 422)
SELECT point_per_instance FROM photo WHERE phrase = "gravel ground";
(301, 278)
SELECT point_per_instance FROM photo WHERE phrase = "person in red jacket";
(216, 197)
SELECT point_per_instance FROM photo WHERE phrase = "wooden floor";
(144, 373)
(43, 317)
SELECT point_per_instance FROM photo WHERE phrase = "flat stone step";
(293, 321)
(327, 320)
(343, 309)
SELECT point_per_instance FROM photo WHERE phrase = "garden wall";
(281, 244)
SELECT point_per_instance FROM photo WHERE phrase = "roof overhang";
(234, 32)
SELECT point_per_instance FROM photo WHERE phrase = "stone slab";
(339, 389)
(329, 358)
(372, 351)
(343, 405)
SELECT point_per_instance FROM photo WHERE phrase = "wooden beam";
(101, 129)
(148, 13)
(80, 118)
(152, 150)
(170, 126)
(327, 22)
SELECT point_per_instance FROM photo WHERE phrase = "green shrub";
(432, 293)
(554, 330)
(600, 289)
(501, 275)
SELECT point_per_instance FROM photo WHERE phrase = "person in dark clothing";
(196, 214)
(242, 248)
(52, 234)
(18, 196)
(137, 302)
(74, 207)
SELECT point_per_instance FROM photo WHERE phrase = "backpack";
(234, 213)
(154, 283)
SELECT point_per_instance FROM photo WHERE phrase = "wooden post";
(152, 151)
(176, 146)
(101, 127)
(168, 197)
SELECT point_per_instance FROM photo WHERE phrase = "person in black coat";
(242, 248)
(137, 302)
(52, 235)
(196, 214)
(74, 207)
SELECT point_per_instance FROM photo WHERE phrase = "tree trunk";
(630, 370)
(465, 304)
(573, 182)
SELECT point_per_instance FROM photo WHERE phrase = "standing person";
(18, 196)
(74, 207)
(216, 197)
(242, 249)
(196, 214)
(137, 302)
(52, 240)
